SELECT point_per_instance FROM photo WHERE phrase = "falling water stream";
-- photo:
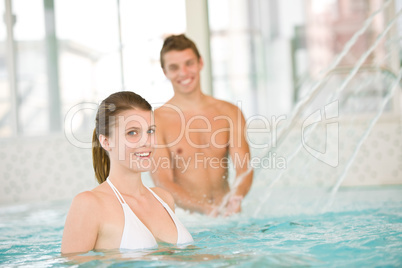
(333, 96)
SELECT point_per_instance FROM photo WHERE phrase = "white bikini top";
(136, 235)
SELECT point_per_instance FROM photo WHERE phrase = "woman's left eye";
(151, 131)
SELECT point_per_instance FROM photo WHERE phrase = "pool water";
(366, 231)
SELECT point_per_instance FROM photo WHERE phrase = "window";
(73, 52)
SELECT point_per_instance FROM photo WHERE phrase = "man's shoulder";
(166, 109)
(166, 117)
(224, 105)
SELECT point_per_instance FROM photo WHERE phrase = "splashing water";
(341, 109)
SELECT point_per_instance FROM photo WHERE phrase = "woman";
(121, 212)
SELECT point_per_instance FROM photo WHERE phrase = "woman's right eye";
(132, 133)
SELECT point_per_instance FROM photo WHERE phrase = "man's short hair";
(177, 42)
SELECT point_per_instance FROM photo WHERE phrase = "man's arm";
(163, 176)
(240, 153)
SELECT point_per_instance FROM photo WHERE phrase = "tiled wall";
(377, 162)
(44, 168)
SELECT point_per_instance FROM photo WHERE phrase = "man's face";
(183, 68)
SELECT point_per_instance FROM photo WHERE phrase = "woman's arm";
(82, 224)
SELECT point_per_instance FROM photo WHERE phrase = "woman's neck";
(126, 181)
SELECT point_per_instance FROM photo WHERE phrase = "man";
(195, 134)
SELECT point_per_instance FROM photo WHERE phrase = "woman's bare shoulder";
(86, 202)
(90, 200)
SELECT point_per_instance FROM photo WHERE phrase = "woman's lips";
(142, 154)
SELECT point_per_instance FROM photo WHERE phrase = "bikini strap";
(160, 200)
(116, 192)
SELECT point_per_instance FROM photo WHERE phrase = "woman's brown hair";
(110, 107)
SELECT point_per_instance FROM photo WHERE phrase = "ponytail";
(100, 159)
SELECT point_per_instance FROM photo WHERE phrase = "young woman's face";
(131, 140)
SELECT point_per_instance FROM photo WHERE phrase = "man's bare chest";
(198, 133)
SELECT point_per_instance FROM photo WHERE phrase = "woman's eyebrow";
(136, 128)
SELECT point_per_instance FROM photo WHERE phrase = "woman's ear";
(104, 141)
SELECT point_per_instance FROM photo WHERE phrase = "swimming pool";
(363, 227)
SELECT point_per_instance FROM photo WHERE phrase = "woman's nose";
(150, 140)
